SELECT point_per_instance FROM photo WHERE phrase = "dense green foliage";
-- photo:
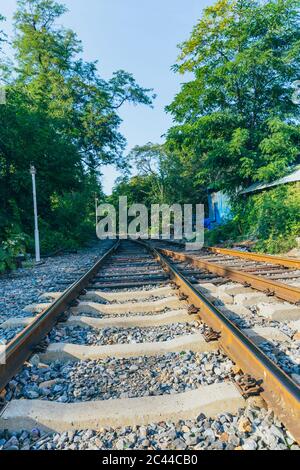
(61, 116)
(159, 178)
(270, 219)
(235, 122)
(273, 218)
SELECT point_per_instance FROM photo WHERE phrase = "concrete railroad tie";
(99, 296)
(73, 352)
(59, 417)
(113, 309)
(168, 318)
(127, 308)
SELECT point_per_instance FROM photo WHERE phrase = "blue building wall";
(219, 208)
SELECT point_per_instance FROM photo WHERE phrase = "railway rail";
(129, 288)
(272, 275)
(277, 260)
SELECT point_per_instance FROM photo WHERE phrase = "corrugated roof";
(293, 177)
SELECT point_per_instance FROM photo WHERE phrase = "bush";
(52, 240)
(73, 215)
(12, 247)
(222, 234)
(271, 218)
(66, 222)
(71, 223)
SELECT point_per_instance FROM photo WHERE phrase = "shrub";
(271, 218)
(71, 223)
(13, 246)
(223, 234)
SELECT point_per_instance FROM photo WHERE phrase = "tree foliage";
(70, 89)
(235, 120)
(61, 116)
(271, 219)
(161, 178)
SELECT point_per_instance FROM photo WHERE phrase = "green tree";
(70, 89)
(234, 116)
(149, 162)
(137, 189)
(63, 117)
(166, 178)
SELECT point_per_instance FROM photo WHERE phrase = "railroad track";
(150, 336)
(273, 275)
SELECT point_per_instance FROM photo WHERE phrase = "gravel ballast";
(25, 286)
(109, 336)
(110, 379)
(250, 429)
(119, 378)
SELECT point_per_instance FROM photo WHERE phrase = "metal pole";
(36, 225)
(96, 206)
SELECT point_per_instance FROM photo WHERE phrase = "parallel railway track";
(272, 275)
(277, 260)
(101, 299)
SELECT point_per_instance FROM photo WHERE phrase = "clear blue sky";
(141, 37)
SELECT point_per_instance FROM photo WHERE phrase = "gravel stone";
(119, 378)
(203, 434)
(25, 286)
(109, 336)
(250, 429)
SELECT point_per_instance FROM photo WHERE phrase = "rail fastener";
(277, 388)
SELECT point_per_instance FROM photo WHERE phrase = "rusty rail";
(278, 260)
(279, 390)
(23, 345)
(282, 291)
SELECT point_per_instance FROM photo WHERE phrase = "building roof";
(293, 177)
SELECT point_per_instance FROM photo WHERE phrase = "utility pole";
(96, 206)
(36, 225)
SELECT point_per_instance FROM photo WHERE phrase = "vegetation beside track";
(61, 116)
(235, 122)
(270, 219)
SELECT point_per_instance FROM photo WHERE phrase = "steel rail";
(278, 260)
(271, 259)
(282, 291)
(23, 345)
(279, 390)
